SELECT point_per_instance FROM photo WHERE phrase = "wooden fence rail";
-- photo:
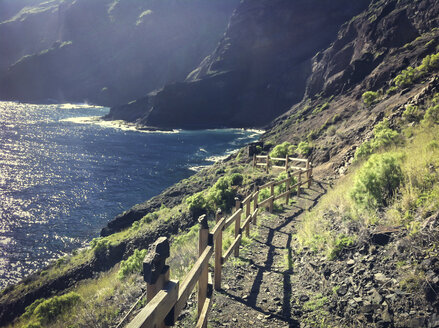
(166, 298)
(267, 162)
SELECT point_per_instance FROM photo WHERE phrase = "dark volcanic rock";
(363, 46)
(112, 51)
(258, 70)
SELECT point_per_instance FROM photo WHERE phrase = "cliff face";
(258, 70)
(368, 53)
(107, 52)
(365, 48)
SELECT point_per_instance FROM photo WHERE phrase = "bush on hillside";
(221, 195)
(283, 187)
(303, 148)
(282, 150)
(132, 264)
(42, 312)
(236, 179)
(383, 136)
(412, 113)
(377, 181)
(370, 97)
(431, 116)
(411, 75)
(197, 204)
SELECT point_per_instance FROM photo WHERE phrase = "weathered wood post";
(272, 197)
(237, 225)
(247, 213)
(254, 160)
(310, 175)
(288, 184)
(268, 164)
(308, 164)
(299, 183)
(203, 239)
(155, 270)
(218, 254)
(256, 205)
(286, 163)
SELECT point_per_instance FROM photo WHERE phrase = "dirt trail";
(257, 291)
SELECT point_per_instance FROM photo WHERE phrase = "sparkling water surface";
(63, 176)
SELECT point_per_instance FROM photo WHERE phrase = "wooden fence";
(166, 298)
(287, 163)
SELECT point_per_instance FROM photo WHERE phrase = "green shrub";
(412, 113)
(383, 136)
(44, 311)
(99, 245)
(236, 179)
(370, 97)
(282, 150)
(149, 218)
(406, 78)
(377, 181)
(411, 75)
(303, 148)
(263, 194)
(341, 242)
(221, 195)
(197, 204)
(431, 116)
(132, 264)
(283, 187)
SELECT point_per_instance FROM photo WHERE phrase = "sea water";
(64, 174)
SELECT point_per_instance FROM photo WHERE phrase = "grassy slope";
(327, 229)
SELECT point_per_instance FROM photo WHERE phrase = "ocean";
(64, 174)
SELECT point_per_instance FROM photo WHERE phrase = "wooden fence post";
(268, 164)
(203, 239)
(155, 270)
(310, 175)
(256, 205)
(307, 171)
(272, 197)
(237, 225)
(286, 163)
(218, 254)
(288, 184)
(299, 183)
(247, 213)
(254, 160)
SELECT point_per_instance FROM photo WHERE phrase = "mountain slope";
(117, 50)
(369, 53)
(257, 72)
(382, 109)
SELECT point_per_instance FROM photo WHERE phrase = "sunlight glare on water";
(63, 175)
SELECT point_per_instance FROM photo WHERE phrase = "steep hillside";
(365, 256)
(103, 51)
(257, 72)
(369, 53)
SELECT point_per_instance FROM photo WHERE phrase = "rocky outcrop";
(367, 48)
(258, 70)
(112, 51)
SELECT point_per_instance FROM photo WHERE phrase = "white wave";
(117, 124)
(77, 106)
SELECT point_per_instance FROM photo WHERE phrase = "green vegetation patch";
(412, 74)
(132, 264)
(377, 181)
(42, 312)
(383, 136)
(370, 98)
